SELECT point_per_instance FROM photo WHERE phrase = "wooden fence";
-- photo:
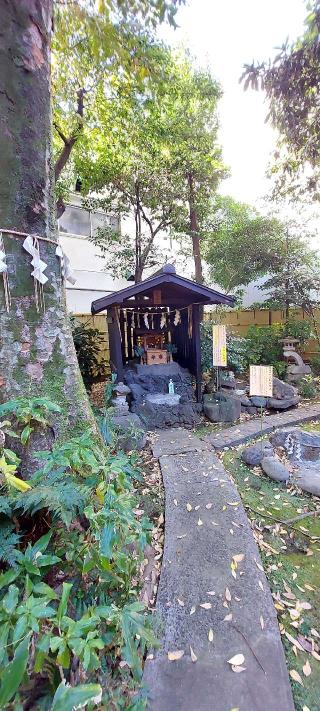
(238, 321)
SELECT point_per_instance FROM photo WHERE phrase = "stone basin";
(163, 399)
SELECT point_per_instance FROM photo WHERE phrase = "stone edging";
(239, 434)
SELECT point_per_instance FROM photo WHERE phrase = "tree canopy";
(240, 244)
(96, 45)
(140, 152)
(291, 84)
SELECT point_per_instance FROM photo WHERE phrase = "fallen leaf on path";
(296, 676)
(192, 654)
(211, 592)
(260, 585)
(196, 508)
(214, 523)
(206, 605)
(210, 635)
(189, 507)
(228, 594)
(307, 668)
(237, 660)
(183, 536)
(193, 609)
(238, 557)
(261, 622)
(233, 503)
(237, 669)
(228, 617)
(305, 708)
(175, 502)
(208, 506)
(200, 523)
(175, 655)
(258, 564)
(294, 641)
(181, 603)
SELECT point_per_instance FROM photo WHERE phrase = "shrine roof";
(178, 291)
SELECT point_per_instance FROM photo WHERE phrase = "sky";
(224, 35)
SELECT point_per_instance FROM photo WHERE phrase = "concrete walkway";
(245, 431)
(208, 613)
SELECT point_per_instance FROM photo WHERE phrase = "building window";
(77, 221)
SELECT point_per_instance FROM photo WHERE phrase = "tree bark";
(194, 232)
(37, 355)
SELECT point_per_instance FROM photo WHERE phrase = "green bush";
(71, 548)
(298, 329)
(315, 364)
(308, 387)
(87, 343)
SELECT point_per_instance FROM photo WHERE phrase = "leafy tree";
(192, 124)
(291, 84)
(95, 44)
(160, 162)
(240, 244)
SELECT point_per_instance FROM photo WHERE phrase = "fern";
(9, 540)
(5, 506)
(57, 493)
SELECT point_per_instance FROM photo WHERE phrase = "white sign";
(219, 346)
(261, 377)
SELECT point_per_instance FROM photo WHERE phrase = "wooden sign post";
(219, 348)
(261, 384)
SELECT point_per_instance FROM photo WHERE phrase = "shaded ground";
(291, 561)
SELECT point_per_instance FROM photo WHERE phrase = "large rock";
(258, 400)
(222, 407)
(275, 469)
(282, 390)
(308, 479)
(254, 454)
(151, 379)
(130, 432)
(300, 445)
(284, 404)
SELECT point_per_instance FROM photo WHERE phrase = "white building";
(89, 265)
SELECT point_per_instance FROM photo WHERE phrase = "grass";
(295, 563)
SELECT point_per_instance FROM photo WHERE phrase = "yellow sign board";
(219, 346)
(261, 377)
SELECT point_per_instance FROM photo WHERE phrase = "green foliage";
(94, 547)
(308, 387)
(240, 245)
(261, 346)
(315, 364)
(28, 411)
(87, 342)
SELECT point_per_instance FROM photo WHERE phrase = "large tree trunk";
(194, 231)
(37, 355)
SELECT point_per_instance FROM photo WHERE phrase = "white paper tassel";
(31, 245)
(163, 320)
(67, 273)
(145, 318)
(177, 317)
(3, 271)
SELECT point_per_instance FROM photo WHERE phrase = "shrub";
(315, 364)
(298, 329)
(87, 343)
(308, 387)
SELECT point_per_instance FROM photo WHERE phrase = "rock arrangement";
(227, 404)
(302, 455)
(151, 400)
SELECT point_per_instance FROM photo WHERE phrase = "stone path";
(199, 546)
(250, 430)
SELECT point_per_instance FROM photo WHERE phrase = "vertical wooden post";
(123, 337)
(116, 362)
(197, 350)
(129, 335)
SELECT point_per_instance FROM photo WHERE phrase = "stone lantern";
(119, 399)
(297, 368)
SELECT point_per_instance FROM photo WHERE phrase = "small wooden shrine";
(158, 320)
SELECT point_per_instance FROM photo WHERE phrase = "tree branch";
(69, 142)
